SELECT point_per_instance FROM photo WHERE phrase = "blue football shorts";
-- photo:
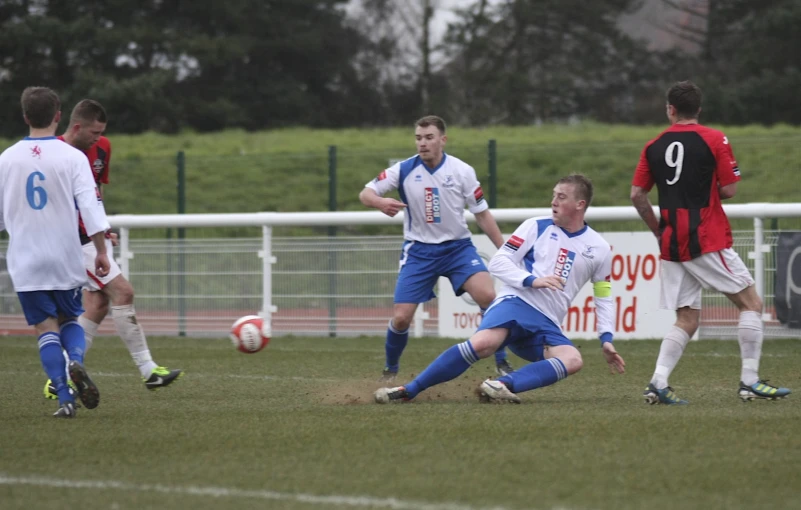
(422, 264)
(39, 305)
(529, 329)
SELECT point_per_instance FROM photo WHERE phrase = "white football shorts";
(682, 282)
(96, 282)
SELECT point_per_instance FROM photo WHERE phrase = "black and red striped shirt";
(99, 156)
(688, 163)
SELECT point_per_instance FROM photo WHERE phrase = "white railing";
(260, 275)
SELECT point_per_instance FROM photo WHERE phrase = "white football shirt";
(42, 180)
(539, 248)
(435, 197)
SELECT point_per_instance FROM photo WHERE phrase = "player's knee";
(573, 362)
(484, 297)
(122, 292)
(401, 322)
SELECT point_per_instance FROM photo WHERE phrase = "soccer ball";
(250, 334)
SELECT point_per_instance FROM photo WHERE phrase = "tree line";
(167, 65)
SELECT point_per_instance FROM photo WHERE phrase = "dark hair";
(685, 96)
(582, 186)
(88, 110)
(40, 106)
(432, 120)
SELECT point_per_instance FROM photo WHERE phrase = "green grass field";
(293, 427)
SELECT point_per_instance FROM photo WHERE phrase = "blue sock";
(500, 356)
(396, 343)
(53, 364)
(449, 365)
(74, 340)
(535, 375)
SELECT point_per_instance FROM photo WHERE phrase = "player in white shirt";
(434, 188)
(42, 180)
(543, 266)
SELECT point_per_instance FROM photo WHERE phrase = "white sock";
(89, 330)
(131, 333)
(749, 333)
(669, 354)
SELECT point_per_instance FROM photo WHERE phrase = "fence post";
(332, 232)
(758, 255)
(125, 252)
(492, 160)
(181, 163)
(266, 254)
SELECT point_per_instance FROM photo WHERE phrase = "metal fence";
(320, 286)
(335, 286)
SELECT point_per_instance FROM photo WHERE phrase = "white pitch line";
(226, 492)
(223, 376)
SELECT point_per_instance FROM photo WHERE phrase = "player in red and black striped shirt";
(110, 292)
(693, 168)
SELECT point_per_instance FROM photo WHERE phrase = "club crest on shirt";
(564, 263)
(449, 183)
(98, 166)
(36, 152)
(588, 253)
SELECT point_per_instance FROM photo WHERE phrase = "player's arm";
(474, 198)
(727, 171)
(87, 198)
(506, 264)
(373, 193)
(605, 313)
(640, 186)
(486, 221)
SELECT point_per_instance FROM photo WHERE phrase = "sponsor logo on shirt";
(418, 178)
(514, 243)
(479, 195)
(554, 237)
(432, 205)
(564, 263)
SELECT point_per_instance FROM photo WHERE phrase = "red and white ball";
(250, 334)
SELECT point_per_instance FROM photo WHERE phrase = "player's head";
(430, 135)
(87, 123)
(683, 101)
(572, 196)
(41, 107)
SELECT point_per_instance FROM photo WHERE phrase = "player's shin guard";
(449, 365)
(749, 334)
(89, 331)
(394, 346)
(53, 364)
(670, 352)
(535, 375)
(131, 333)
(73, 340)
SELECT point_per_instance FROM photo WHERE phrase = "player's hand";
(552, 282)
(114, 239)
(391, 207)
(102, 265)
(613, 359)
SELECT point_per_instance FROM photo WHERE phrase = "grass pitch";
(294, 427)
